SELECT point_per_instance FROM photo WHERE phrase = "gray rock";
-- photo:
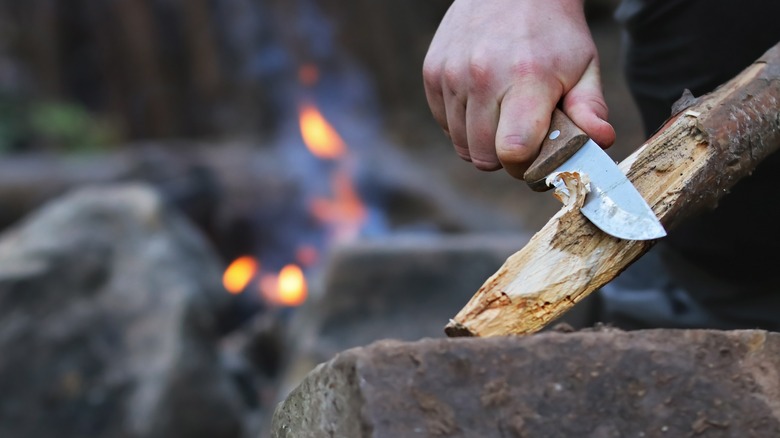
(107, 323)
(652, 383)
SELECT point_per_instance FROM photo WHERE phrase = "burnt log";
(686, 167)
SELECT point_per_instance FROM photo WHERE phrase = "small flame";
(320, 137)
(239, 274)
(292, 286)
(345, 212)
(286, 289)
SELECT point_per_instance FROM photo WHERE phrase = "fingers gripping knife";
(613, 203)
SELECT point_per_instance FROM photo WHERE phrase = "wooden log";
(690, 163)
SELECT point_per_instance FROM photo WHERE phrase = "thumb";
(585, 106)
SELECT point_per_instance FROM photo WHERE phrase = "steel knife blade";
(613, 204)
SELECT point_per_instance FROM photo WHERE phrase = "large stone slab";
(654, 383)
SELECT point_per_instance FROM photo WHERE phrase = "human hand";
(496, 69)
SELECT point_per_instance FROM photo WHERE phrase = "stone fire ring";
(608, 383)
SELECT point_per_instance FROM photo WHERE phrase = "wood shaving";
(571, 188)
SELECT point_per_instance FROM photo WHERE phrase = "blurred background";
(322, 206)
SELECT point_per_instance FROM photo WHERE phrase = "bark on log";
(690, 163)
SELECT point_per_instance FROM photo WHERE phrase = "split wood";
(690, 163)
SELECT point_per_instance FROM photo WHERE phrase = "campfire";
(139, 336)
(340, 214)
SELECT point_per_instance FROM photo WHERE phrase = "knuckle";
(442, 122)
(528, 68)
(458, 138)
(592, 102)
(480, 74)
(462, 151)
(432, 76)
(484, 157)
(600, 107)
(487, 164)
(463, 155)
(452, 78)
(511, 149)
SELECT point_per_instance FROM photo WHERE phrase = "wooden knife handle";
(563, 139)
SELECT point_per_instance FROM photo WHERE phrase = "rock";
(108, 304)
(651, 383)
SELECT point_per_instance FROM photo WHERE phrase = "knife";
(613, 203)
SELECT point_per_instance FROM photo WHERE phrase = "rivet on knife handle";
(561, 142)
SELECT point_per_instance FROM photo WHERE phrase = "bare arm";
(496, 69)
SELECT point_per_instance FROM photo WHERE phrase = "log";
(690, 163)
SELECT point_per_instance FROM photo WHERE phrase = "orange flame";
(286, 289)
(239, 274)
(320, 137)
(292, 286)
(345, 212)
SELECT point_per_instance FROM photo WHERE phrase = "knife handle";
(563, 139)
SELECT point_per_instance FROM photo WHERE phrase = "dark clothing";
(721, 268)
(696, 44)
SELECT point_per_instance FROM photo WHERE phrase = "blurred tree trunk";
(153, 64)
(46, 56)
(142, 60)
(202, 47)
(390, 39)
(193, 68)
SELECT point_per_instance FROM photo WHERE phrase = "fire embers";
(286, 288)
